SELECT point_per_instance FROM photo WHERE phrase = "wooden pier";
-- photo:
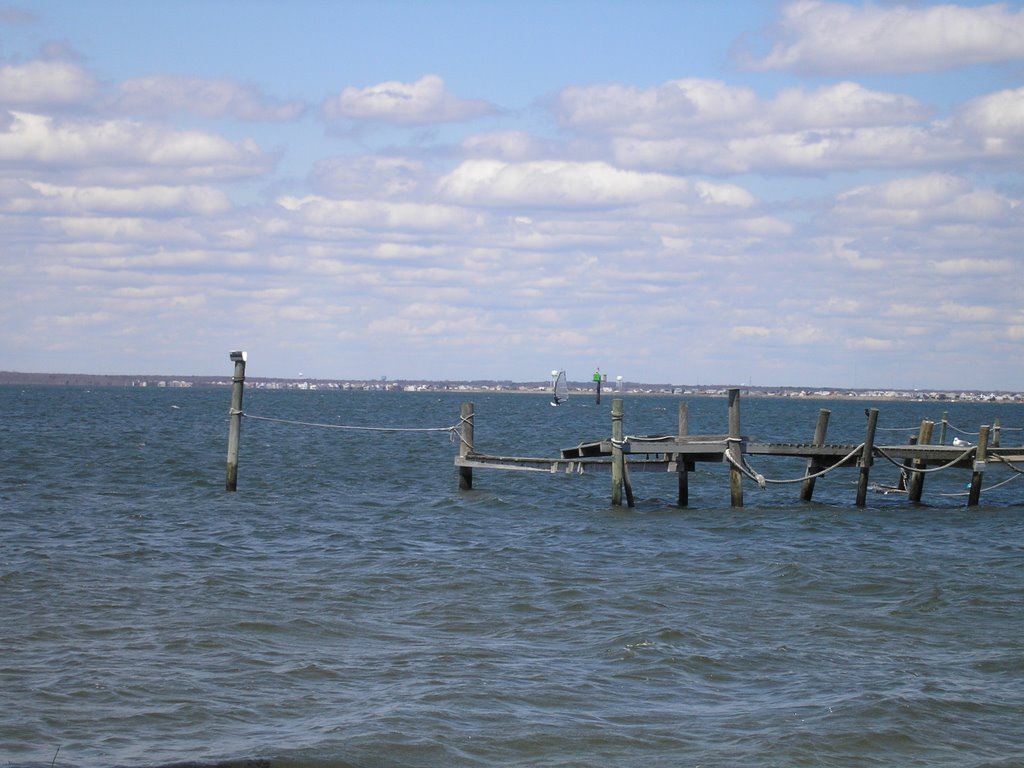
(680, 453)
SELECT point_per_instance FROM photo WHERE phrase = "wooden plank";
(645, 444)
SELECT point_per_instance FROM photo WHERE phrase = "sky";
(805, 193)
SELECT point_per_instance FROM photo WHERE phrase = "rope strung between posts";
(949, 425)
(924, 471)
(1008, 463)
(762, 481)
(1001, 429)
(1010, 479)
(454, 432)
(1016, 476)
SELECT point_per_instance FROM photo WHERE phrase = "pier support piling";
(916, 485)
(866, 457)
(807, 488)
(465, 445)
(682, 470)
(619, 478)
(735, 448)
(980, 456)
(235, 419)
(906, 467)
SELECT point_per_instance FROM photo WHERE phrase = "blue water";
(349, 606)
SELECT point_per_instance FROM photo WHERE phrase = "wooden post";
(866, 457)
(735, 449)
(916, 485)
(980, 455)
(627, 484)
(807, 489)
(907, 465)
(465, 445)
(995, 433)
(682, 471)
(617, 457)
(942, 428)
(235, 419)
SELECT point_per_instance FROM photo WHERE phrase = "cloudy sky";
(800, 193)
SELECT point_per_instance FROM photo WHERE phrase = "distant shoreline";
(15, 378)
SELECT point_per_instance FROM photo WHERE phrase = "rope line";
(962, 431)
(924, 471)
(1008, 463)
(762, 481)
(454, 431)
(1010, 479)
(950, 425)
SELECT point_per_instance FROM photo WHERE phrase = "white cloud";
(56, 199)
(691, 107)
(840, 305)
(363, 177)
(934, 197)
(206, 97)
(125, 149)
(843, 105)
(724, 194)
(996, 119)
(370, 214)
(969, 313)
(678, 105)
(820, 151)
(424, 102)
(122, 229)
(871, 344)
(505, 145)
(750, 332)
(44, 83)
(554, 183)
(842, 251)
(819, 37)
(700, 126)
(969, 267)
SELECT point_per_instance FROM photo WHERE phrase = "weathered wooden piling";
(908, 464)
(465, 445)
(235, 419)
(980, 456)
(813, 467)
(866, 459)
(916, 485)
(735, 450)
(682, 470)
(619, 477)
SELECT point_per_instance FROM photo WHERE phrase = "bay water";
(350, 606)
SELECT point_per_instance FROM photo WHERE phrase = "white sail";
(559, 388)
